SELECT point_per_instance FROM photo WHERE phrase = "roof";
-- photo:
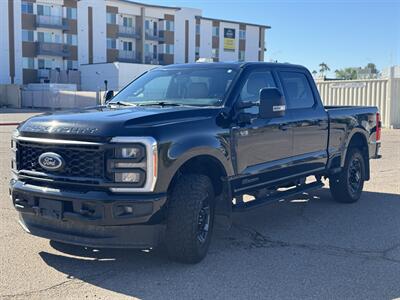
(235, 22)
(231, 65)
(149, 5)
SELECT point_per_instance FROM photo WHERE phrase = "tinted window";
(298, 90)
(251, 89)
(255, 82)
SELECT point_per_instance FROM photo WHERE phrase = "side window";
(256, 81)
(298, 90)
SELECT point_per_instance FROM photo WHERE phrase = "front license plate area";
(51, 209)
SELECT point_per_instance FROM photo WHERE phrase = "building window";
(197, 28)
(241, 55)
(27, 35)
(127, 22)
(127, 46)
(215, 52)
(28, 62)
(43, 10)
(27, 7)
(71, 13)
(45, 63)
(71, 39)
(169, 49)
(111, 18)
(242, 34)
(72, 65)
(111, 43)
(197, 53)
(169, 25)
(215, 31)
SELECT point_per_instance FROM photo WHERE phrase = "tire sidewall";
(354, 154)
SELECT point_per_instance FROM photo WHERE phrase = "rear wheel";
(190, 218)
(347, 186)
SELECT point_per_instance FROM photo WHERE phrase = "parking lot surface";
(309, 247)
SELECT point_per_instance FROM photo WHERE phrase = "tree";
(314, 73)
(323, 68)
(346, 73)
(373, 69)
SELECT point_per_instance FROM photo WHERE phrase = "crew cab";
(180, 144)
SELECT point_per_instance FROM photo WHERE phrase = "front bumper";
(95, 219)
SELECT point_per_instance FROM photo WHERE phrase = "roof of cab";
(231, 65)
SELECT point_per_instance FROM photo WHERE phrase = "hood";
(104, 122)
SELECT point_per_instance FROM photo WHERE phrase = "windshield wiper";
(122, 103)
(158, 103)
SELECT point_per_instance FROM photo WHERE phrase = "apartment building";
(49, 40)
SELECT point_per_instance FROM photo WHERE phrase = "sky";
(340, 33)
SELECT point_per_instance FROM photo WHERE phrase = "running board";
(245, 206)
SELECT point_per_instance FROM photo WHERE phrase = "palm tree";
(323, 68)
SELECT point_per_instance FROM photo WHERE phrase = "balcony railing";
(129, 32)
(149, 59)
(149, 35)
(53, 49)
(128, 56)
(44, 73)
(51, 22)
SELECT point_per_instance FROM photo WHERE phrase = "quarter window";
(298, 90)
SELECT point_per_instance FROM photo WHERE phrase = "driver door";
(263, 145)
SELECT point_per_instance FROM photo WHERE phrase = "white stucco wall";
(252, 42)
(179, 49)
(99, 31)
(205, 38)
(4, 49)
(117, 74)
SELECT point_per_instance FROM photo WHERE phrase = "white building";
(49, 40)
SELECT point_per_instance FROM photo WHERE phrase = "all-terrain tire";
(347, 186)
(190, 218)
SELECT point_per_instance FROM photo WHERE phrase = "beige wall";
(383, 93)
(10, 95)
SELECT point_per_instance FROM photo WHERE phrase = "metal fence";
(383, 93)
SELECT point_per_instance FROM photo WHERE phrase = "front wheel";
(190, 218)
(347, 186)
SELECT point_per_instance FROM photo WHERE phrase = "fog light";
(131, 177)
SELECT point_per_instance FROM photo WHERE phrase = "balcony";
(51, 22)
(149, 35)
(53, 49)
(129, 32)
(128, 56)
(149, 59)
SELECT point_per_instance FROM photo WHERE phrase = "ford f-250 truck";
(179, 145)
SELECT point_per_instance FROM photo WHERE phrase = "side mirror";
(272, 103)
(108, 95)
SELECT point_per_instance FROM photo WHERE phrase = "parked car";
(181, 144)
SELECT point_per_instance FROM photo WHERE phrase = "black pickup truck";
(180, 144)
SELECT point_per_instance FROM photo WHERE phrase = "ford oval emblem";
(51, 161)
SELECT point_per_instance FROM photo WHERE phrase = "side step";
(245, 206)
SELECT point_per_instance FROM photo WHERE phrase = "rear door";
(309, 120)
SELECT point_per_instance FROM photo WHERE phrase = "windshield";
(196, 86)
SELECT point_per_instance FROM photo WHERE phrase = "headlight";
(137, 153)
(130, 177)
(14, 137)
(133, 165)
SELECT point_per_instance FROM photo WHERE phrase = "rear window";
(298, 90)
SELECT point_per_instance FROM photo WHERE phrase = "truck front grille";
(81, 161)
